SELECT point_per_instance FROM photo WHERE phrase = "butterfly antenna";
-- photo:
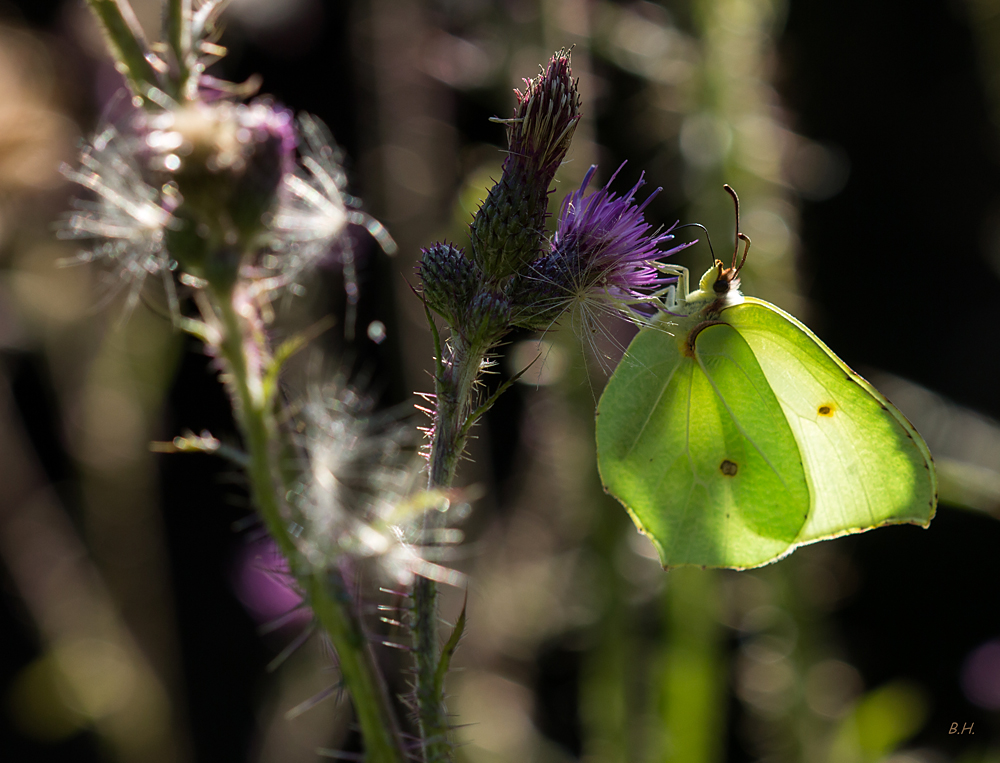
(739, 236)
(736, 201)
(746, 240)
(708, 237)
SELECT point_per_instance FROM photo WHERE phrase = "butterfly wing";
(865, 463)
(698, 450)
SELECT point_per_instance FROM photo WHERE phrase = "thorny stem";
(454, 381)
(243, 347)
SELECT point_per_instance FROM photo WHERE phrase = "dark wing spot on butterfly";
(826, 409)
(728, 468)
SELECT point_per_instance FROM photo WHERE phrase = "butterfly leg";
(680, 289)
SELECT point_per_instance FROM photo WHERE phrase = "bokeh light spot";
(981, 676)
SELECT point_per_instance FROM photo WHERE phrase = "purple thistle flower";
(603, 254)
(609, 241)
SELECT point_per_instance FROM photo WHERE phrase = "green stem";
(254, 410)
(453, 388)
(178, 23)
(254, 414)
(332, 606)
(692, 696)
(127, 43)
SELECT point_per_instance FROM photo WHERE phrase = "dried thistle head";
(214, 190)
(309, 224)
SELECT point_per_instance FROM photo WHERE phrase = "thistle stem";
(243, 346)
(453, 387)
(256, 421)
(127, 43)
(178, 28)
(331, 604)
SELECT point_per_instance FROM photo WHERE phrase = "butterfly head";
(721, 280)
(721, 285)
(719, 288)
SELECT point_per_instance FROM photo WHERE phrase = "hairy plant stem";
(457, 372)
(333, 607)
(244, 348)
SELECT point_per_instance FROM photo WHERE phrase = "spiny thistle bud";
(508, 232)
(488, 319)
(541, 292)
(449, 279)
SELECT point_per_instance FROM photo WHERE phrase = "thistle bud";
(487, 320)
(450, 280)
(541, 292)
(508, 232)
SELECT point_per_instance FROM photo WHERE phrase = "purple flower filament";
(605, 248)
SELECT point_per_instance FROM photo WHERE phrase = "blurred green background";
(864, 140)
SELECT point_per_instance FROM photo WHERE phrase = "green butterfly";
(733, 435)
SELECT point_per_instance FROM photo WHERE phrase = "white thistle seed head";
(125, 219)
(359, 498)
(313, 214)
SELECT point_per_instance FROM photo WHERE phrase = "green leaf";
(449, 649)
(288, 348)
